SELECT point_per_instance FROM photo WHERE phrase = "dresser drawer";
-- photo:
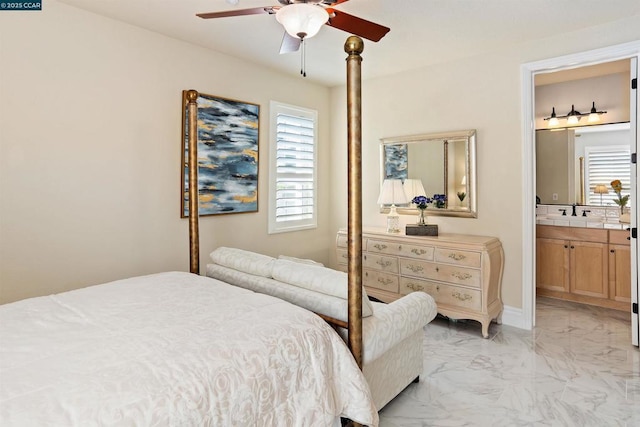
(444, 294)
(342, 240)
(342, 256)
(381, 263)
(380, 280)
(382, 247)
(458, 257)
(419, 252)
(446, 273)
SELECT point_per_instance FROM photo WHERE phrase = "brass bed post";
(194, 235)
(354, 47)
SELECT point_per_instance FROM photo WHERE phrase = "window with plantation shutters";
(292, 201)
(603, 165)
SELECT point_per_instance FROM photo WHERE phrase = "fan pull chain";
(303, 58)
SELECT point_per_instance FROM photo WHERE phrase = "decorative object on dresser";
(422, 228)
(463, 273)
(392, 194)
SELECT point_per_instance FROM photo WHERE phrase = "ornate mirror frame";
(441, 161)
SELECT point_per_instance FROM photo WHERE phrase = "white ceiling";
(422, 32)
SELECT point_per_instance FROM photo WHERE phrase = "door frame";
(528, 72)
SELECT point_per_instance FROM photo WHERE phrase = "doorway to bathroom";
(579, 192)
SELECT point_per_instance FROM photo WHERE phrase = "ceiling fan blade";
(289, 43)
(238, 12)
(333, 2)
(358, 26)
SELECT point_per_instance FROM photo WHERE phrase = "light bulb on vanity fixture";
(553, 120)
(392, 194)
(574, 116)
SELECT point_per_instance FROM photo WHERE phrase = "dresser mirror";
(443, 163)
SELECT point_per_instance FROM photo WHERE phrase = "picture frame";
(228, 142)
(395, 161)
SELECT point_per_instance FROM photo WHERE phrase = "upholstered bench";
(392, 334)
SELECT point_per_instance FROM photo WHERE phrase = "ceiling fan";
(303, 19)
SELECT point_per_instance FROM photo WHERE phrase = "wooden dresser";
(462, 273)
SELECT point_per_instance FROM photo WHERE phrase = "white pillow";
(301, 260)
(318, 279)
(245, 261)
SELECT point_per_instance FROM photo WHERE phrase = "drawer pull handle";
(415, 268)
(461, 297)
(437, 269)
(457, 257)
(379, 246)
(384, 282)
(383, 264)
(461, 276)
(415, 287)
(418, 251)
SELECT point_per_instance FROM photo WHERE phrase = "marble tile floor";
(576, 368)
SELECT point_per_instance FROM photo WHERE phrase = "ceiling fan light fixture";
(302, 20)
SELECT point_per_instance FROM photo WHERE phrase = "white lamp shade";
(392, 193)
(413, 188)
(601, 189)
(302, 20)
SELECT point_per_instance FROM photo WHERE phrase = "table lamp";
(392, 193)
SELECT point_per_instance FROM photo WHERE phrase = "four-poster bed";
(180, 349)
(353, 47)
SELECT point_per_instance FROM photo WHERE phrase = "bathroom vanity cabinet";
(620, 266)
(585, 265)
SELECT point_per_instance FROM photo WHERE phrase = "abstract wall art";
(228, 133)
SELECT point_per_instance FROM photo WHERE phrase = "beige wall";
(90, 146)
(90, 152)
(482, 93)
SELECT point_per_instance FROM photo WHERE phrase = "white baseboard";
(513, 316)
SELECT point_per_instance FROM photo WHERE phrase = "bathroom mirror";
(567, 163)
(444, 163)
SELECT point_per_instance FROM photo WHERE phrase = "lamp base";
(422, 230)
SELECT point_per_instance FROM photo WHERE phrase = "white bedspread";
(173, 349)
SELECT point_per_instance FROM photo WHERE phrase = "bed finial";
(354, 46)
(194, 234)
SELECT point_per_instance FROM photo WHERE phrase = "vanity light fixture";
(392, 193)
(574, 116)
